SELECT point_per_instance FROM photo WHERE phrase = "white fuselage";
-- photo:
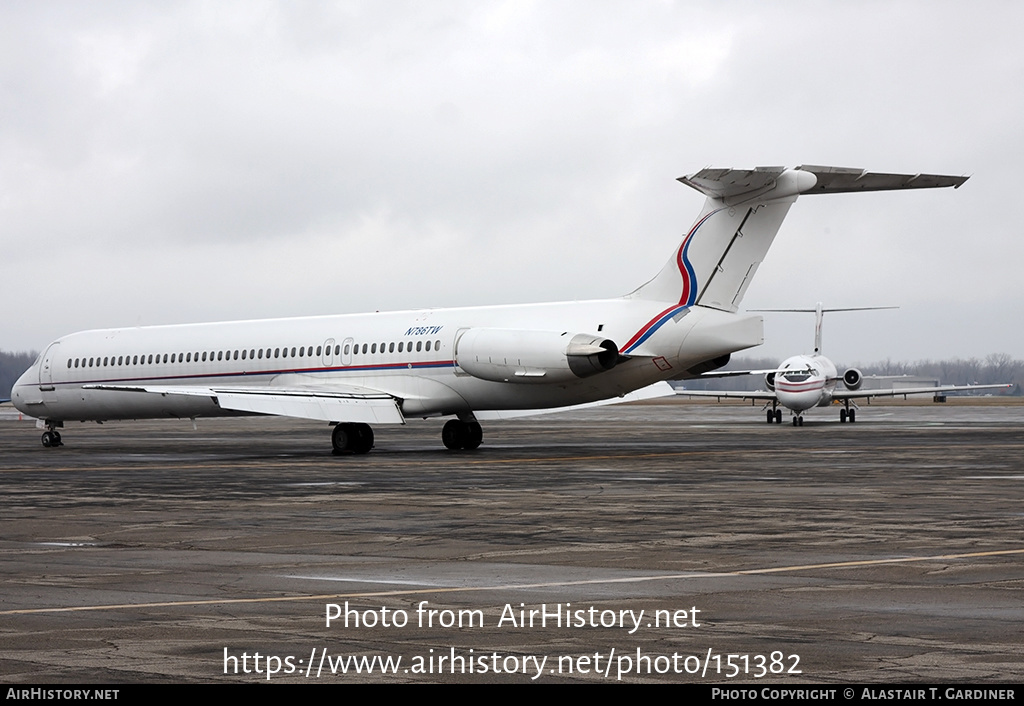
(410, 355)
(805, 381)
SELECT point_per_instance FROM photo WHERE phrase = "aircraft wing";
(733, 373)
(658, 389)
(896, 392)
(735, 394)
(334, 403)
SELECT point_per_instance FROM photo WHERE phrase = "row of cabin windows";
(251, 354)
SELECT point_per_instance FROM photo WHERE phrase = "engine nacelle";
(515, 355)
(853, 379)
(769, 381)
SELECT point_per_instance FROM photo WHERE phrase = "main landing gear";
(458, 434)
(352, 438)
(774, 415)
(357, 438)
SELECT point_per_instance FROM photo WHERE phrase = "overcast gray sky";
(193, 161)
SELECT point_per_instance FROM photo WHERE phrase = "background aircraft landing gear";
(458, 434)
(352, 438)
(51, 439)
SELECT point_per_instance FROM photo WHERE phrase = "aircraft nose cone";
(18, 392)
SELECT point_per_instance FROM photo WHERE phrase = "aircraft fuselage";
(413, 356)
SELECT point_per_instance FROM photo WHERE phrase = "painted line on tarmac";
(516, 586)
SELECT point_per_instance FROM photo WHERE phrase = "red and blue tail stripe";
(686, 298)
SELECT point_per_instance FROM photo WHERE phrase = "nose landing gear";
(51, 437)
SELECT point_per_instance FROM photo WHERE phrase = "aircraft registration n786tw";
(471, 363)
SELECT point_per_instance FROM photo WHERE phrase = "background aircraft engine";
(852, 379)
(769, 381)
(512, 355)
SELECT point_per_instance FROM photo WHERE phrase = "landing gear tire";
(453, 435)
(842, 416)
(771, 417)
(474, 436)
(48, 439)
(458, 434)
(852, 416)
(364, 438)
(352, 438)
(778, 416)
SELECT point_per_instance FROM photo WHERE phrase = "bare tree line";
(12, 365)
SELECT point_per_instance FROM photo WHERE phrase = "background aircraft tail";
(717, 258)
(819, 314)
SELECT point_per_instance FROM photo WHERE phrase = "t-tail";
(819, 316)
(716, 261)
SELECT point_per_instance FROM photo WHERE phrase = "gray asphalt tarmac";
(890, 550)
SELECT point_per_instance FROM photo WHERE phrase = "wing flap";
(757, 395)
(337, 403)
(313, 406)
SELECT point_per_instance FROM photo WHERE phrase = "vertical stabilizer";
(718, 257)
(716, 260)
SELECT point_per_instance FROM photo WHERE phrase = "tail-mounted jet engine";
(769, 381)
(852, 379)
(511, 355)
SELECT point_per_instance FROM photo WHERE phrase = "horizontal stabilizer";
(731, 183)
(833, 180)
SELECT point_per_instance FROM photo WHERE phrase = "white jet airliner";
(474, 363)
(803, 382)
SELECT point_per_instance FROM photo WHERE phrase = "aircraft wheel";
(853, 416)
(56, 435)
(842, 416)
(794, 420)
(363, 441)
(799, 421)
(454, 434)
(48, 439)
(474, 436)
(771, 416)
(778, 416)
(342, 438)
